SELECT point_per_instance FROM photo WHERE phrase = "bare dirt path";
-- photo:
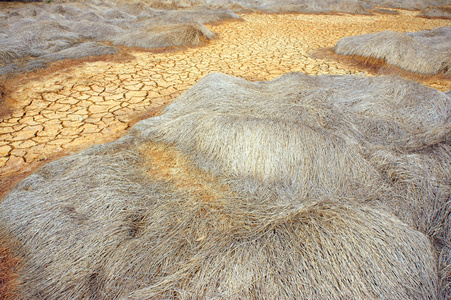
(95, 102)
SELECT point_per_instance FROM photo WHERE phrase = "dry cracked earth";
(95, 102)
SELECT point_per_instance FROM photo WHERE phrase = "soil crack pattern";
(96, 102)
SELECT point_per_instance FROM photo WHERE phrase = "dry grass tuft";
(381, 67)
(385, 11)
(37, 34)
(440, 12)
(169, 164)
(308, 7)
(142, 239)
(303, 187)
(424, 52)
(406, 4)
(8, 263)
(167, 36)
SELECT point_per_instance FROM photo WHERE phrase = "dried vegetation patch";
(34, 35)
(238, 190)
(425, 52)
(436, 12)
(8, 263)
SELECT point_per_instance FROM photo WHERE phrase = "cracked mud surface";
(96, 102)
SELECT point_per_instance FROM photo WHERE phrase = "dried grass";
(440, 12)
(198, 15)
(346, 6)
(79, 51)
(166, 36)
(7, 276)
(35, 30)
(47, 33)
(423, 53)
(95, 30)
(407, 4)
(380, 67)
(314, 7)
(385, 11)
(171, 238)
(328, 187)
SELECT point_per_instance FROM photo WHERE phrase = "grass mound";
(36, 34)
(167, 36)
(30, 31)
(439, 12)
(7, 263)
(79, 51)
(302, 6)
(406, 4)
(302, 187)
(424, 52)
(329, 6)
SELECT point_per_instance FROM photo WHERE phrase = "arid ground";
(72, 106)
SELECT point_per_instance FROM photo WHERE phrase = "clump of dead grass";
(167, 36)
(381, 67)
(424, 52)
(436, 12)
(38, 34)
(155, 236)
(314, 7)
(302, 187)
(406, 4)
